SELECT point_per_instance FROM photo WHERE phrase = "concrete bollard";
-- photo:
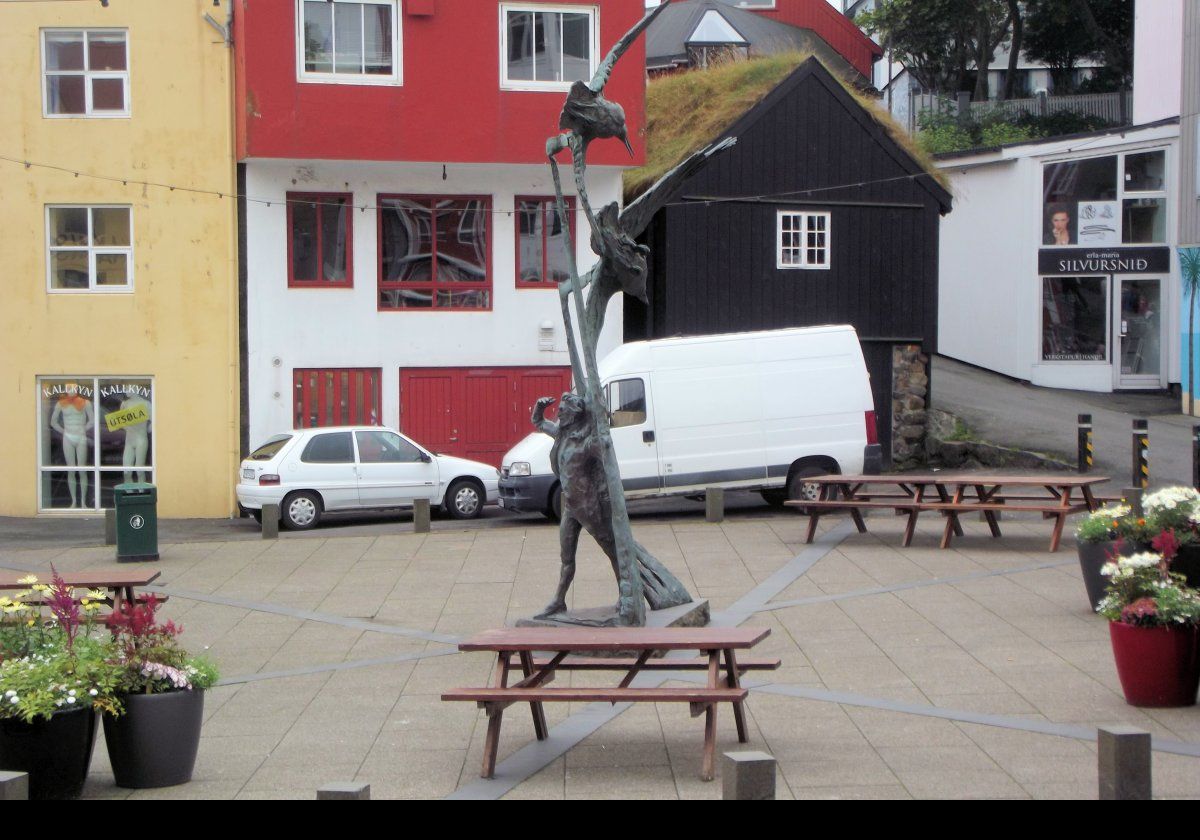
(747, 775)
(1123, 762)
(13, 786)
(1084, 443)
(1132, 496)
(714, 504)
(421, 516)
(345, 790)
(1141, 453)
(270, 522)
(110, 526)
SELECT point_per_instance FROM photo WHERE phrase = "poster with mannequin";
(126, 432)
(69, 419)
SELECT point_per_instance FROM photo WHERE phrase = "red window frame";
(321, 387)
(322, 201)
(433, 286)
(548, 205)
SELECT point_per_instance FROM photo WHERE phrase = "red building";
(834, 27)
(400, 249)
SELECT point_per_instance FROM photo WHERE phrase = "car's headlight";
(519, 468)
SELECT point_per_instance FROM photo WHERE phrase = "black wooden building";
(739, 246)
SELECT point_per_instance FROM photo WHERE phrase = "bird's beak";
(625, 140)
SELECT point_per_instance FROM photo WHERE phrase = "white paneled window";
(85, 73)
(547, 47)
(803, 240)
(89, 249)
(348, 42)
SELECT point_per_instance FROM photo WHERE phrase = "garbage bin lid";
(136, 486)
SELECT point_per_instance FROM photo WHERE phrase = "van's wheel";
(301, 511)
(799, 490)
(553, 510)
(464, 499)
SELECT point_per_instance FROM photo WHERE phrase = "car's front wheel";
(464, 499)
(301, 511)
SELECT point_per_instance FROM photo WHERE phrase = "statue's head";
(571, 410)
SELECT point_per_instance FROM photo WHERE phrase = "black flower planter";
(56, 753)
(1092, 556)
(1187, 563)
(154, 743)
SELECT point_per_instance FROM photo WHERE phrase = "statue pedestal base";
(693, 614)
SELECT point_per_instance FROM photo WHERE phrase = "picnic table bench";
(541, 652)
(952, 495)
(121, 584)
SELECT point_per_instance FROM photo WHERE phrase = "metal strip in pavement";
(307, 615)
(536, 756)
(337, 666)
(899, 587)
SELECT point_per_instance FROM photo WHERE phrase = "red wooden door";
(476, 413)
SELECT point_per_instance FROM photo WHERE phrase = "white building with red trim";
(400, 246)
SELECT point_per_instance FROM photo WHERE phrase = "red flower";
(1143, 611)
(1166, 544)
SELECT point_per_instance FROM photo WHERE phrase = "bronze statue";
(583, 456)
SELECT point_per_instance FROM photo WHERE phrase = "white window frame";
(88, 76)
(593, 13)
(397, 75)
(92, 251)
(802, 251)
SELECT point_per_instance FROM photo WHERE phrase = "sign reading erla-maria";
(1069, 261)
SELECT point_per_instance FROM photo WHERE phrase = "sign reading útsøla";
(1073, 261)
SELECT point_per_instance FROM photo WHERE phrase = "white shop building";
(1058, 263)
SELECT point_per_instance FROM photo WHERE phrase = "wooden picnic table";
(121, 584)
(541, 652)
(910, 494)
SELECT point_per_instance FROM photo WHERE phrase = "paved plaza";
(974, 672)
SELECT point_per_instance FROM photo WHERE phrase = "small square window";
(320, 240)
(349, 41)
(802, 240)
(85, 73)
(89, 248)
(547, 47)
(542, 259)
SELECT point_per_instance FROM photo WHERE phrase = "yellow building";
(119, 326)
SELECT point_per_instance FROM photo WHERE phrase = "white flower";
(93, 692)
(70, 699)
(1170, 498)
(9, 693)
(71, 692)
(12, 698)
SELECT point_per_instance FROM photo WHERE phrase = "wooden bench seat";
(598, 663)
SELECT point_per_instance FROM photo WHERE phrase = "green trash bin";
(137, 522)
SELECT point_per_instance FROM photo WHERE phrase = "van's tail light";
(872, 432)
(267, 480)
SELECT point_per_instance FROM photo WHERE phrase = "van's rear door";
(632, 422)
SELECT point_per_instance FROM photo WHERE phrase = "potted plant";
(154, 743)
(1177, 509)
(1100, 536)
(1154, 625)
(54, 677)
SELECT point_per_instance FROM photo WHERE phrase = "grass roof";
(686, 111)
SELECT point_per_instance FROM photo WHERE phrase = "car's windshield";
(269, 449)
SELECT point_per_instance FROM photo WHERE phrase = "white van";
(754, 410)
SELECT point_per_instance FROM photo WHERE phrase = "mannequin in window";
(72, 418)
(137, 438)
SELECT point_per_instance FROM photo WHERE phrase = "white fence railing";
(1114, 107)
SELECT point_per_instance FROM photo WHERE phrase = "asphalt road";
(1012, 413)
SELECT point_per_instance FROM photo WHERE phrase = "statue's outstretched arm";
(538, 418)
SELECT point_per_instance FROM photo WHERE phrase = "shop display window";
(1105, 201)
(93, 434)
(1075, 319)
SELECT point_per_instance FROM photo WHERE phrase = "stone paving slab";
(974, 672)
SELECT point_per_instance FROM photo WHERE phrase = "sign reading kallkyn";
(1124, 260)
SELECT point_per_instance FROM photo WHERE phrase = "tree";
(939, 40)
(1061, 33)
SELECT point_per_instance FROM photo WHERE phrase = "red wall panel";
(837, 29)
(450, 107)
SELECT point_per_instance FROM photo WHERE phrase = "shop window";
(320, 232)
(802, 240)
(93, 434)
(85, 73)
(349, 42)
(546, 47)
(1085, 203)
(626, 403)
(434, 252)
(542, 242)
(90, 249)
(336, 397)
(1075, 319)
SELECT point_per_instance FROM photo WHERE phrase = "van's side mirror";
(425, 459)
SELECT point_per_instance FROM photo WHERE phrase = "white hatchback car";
(308, 472)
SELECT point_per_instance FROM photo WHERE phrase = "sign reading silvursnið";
(1075, 261)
